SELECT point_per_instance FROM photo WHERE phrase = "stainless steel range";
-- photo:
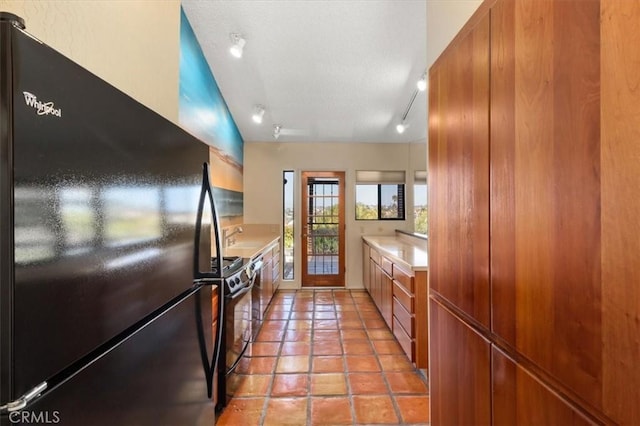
(238, 280)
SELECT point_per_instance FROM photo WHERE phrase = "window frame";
(402, 206)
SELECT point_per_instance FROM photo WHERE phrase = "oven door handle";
(237, 361)
(241, 292)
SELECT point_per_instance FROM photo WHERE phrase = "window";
(380, 195)
(420, 217)
(287, 224)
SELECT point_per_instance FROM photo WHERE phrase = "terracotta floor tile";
(264, 348)
(274, 325)
(269, 336)
(366, 306)
(370, 315)
(254, 385)
(374, 409)
(242, 411)
(325, 315)
(387, 347)
(367, 383)
(350, 324)
(395, 363)
(261, 365)
(330, 411)
(325, 324)
(380, 334)
(348, 315)
(414, 409)
(361, 363)
(333, 335)
(327, 364)
(283, 299)
(301, 315)
(302, 342)
(285, 412)
(297, 336)
(299, 325)
(354, 335)
(290, 385)
(324, 308)
(375, 324)
(293, 364)
(296, 348)
(328, 384)
(346, 308)
(327, 347)
(356, 347)
(302, 307)
(280, 308)
(405, 382)
(274, 315)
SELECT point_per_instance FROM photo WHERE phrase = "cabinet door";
(365, 267)
(460, 374)
(519, 399)
(386, 298)
(459, 173)
(545, 187)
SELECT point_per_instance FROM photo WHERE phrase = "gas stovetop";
(230, 265)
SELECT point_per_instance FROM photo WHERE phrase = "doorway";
(323, 247)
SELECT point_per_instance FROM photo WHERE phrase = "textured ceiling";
(327, 71)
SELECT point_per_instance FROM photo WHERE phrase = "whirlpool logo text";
(43, 108)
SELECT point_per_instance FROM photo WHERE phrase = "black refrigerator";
(107, 219)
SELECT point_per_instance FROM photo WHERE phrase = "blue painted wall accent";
(203, 111)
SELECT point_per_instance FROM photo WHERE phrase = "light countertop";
(408, 252)
(253, 240)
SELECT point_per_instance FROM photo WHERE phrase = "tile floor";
(326, 357)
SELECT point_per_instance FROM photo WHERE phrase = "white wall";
(445, 18)
(264, 163)
(134, 44)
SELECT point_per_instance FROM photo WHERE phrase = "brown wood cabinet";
(460, 374)
(533, 139)
(269, 275)
(401, 298)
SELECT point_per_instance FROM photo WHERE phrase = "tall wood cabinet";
(534, 175)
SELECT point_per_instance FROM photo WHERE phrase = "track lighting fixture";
(420, 87)
(422, 83)
(276, 131)
(238, 45)
(258, 113)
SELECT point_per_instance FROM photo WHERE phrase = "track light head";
(422, 83)
(258, 113)
(238, 45)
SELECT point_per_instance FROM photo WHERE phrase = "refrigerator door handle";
(209, 366)
(206, 193)
(24, 400)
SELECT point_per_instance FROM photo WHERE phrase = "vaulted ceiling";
(326, 70)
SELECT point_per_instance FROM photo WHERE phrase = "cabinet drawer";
(407, 343)
(387, 266)
(403, 278)
(375, 256)
(405, 299)
(405, 318)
